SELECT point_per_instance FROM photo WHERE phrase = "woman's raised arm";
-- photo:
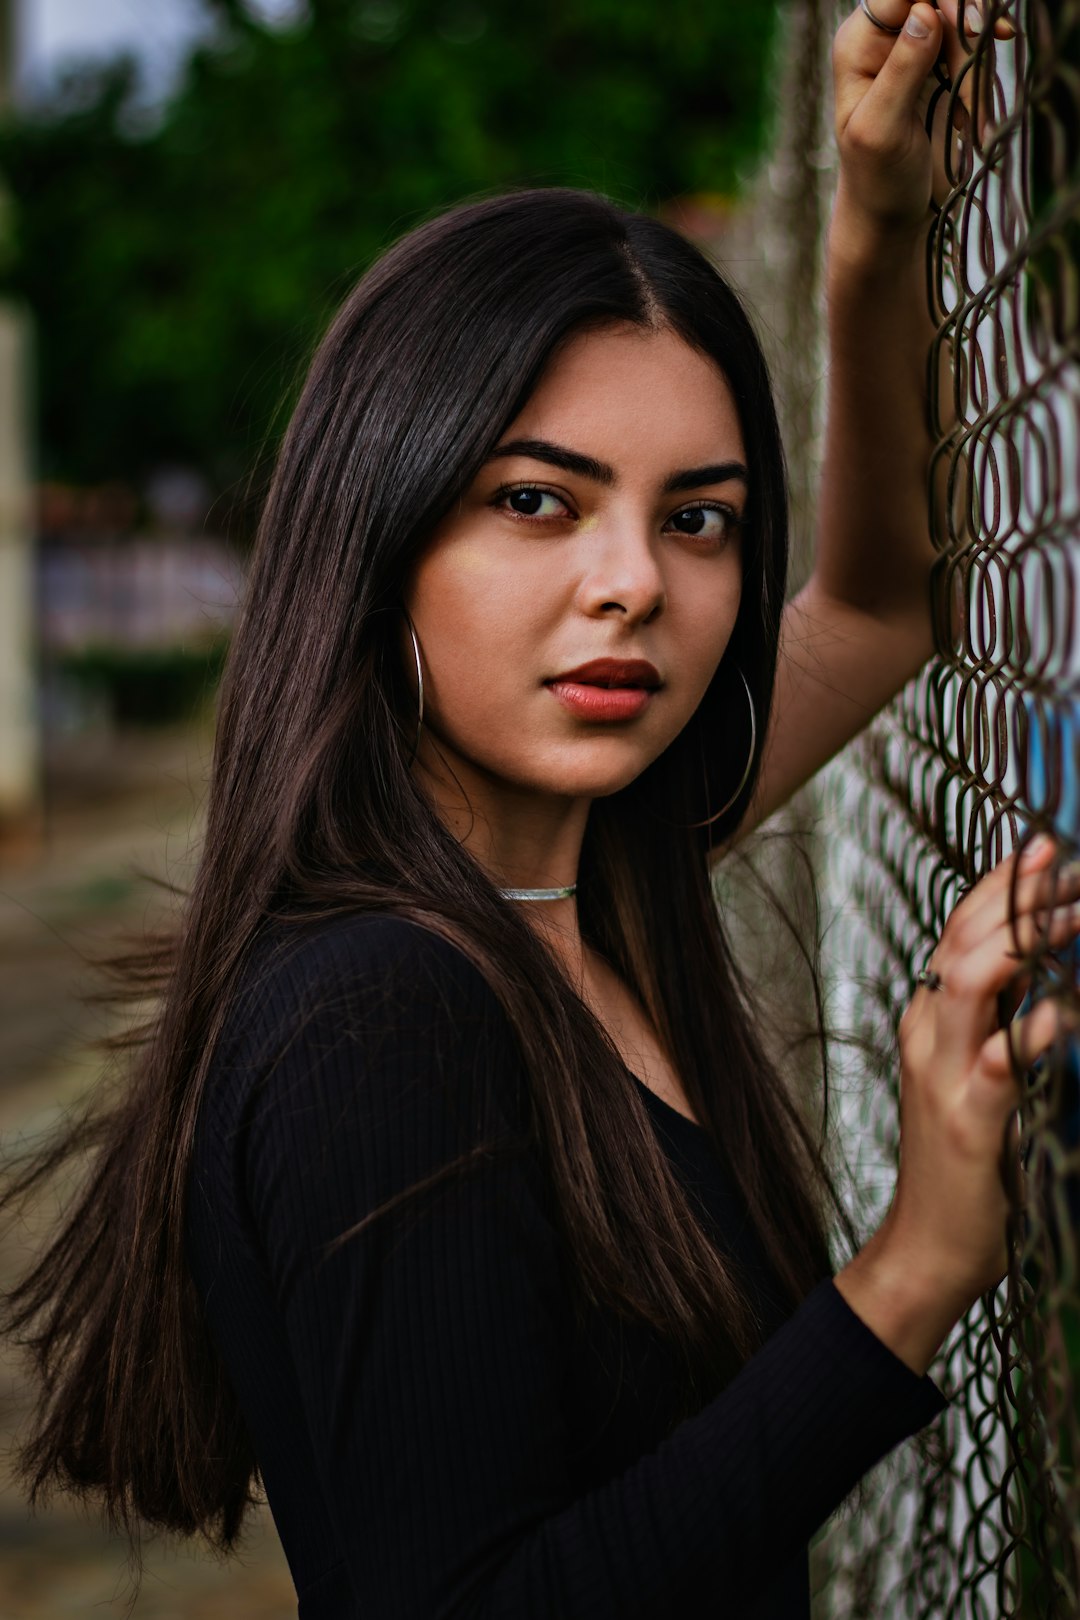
(861, 627)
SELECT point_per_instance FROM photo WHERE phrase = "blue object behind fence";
(1053, 797)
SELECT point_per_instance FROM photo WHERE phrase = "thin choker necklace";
(540, 894)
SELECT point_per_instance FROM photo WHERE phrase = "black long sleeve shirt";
(439, 1437)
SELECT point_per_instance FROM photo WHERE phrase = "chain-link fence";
(983, 1518)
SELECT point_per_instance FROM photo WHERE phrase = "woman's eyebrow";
(557, 455)
(694, 477)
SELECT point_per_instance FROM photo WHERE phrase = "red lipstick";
(613, 672)
(607, 688)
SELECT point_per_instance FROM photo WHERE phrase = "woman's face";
(604, 526)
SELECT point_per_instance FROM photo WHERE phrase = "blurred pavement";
(135, 808)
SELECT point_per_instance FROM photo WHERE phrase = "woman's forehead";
(626, 392)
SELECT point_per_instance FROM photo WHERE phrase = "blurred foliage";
(180, 269)
(148, 685)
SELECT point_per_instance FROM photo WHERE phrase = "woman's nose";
(623, 575)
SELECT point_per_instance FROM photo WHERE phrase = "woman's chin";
(596, 783)
(552, 771)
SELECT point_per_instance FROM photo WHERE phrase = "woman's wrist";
(896, 1300)
(864, 245)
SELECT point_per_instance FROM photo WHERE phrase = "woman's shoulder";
(363, 959)
(363, 1055)
(365, 991)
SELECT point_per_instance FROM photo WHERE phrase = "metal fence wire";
(982, 1518)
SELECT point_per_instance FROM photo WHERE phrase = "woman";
(453, 1191)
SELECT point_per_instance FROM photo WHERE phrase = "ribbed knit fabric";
(438, 1437)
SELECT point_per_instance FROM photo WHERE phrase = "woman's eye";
(705, 522)
(530, 502)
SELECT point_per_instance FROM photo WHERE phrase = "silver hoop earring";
(419, 685)
(749, 762)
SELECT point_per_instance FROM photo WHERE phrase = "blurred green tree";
(180, 269)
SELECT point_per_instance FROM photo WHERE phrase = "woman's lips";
(601, 702)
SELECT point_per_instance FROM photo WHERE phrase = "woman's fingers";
(975, 19)
(861, 52)
(862, 47)
(885, 156)
(890, 104)
(885, 70)
(1050, 886)
(999, 923)
(1017, 1048)
(894, 13)
(971, 74)
(987, 904)
(1035, 900)
(1010, 917)
(870, 62)
(984, 971)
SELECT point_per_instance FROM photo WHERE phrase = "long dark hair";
(313, 811)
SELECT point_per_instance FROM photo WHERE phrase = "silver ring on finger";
(928, 977)
(886, 28)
